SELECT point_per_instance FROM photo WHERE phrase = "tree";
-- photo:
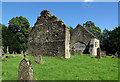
(19, 28)
(106, 41)
(111, 41)
(106, 33)
(115, 40)
(6, 37)
(95, 30)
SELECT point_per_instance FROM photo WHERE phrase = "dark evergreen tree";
(111, 41)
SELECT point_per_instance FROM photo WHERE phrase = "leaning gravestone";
(38, 58)
(25, 71)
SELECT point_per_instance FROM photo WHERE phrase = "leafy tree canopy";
(94, 29)
(19, 28)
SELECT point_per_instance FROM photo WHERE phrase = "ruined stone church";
(83, 41)
(51, 37)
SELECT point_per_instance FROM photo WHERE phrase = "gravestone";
(80, 52)
(103, 53)
(25, 71)
(13, 52)
(72, 51)
(7, 50)
(21, 52)
(25, 53)
(98, 53)
(38, 58)
(117, 54)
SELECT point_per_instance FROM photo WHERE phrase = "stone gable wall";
(51, 37)
(81, 34)
(47, 36)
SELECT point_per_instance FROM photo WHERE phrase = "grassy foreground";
(78, 67)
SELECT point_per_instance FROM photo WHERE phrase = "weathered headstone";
(25, 53)
(72, 52)
(80, 52)
(21, 52)
(117, 54)
(38, 58)
(13, 52)
(7, 50)
(25, 71)
(98, 53)
(103, 53)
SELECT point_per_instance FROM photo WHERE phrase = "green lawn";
(78, 67)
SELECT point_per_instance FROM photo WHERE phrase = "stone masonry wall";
(67, 43)
(47, 37)
(81, 34)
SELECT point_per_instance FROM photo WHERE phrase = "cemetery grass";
(78, 67)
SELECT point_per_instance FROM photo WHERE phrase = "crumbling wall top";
(45, 12)
(80, 26)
